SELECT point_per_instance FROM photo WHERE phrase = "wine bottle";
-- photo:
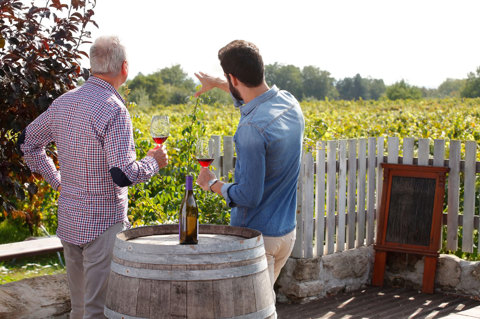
(188, 217)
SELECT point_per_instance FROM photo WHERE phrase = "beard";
(233, 90)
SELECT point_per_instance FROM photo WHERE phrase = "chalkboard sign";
(411, 209)
(410, 216)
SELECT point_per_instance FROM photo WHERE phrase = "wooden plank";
(298, 247)
(408, 150)
(42, 245)
(393, 148)
(361, 183)
(320, 199)
(453, 195)
(200, 300)
(227, 155)
(308, 205)
(423, 151)
(438, 160)
(469, 196)
(160, 299)
(371, 191)
(243, 296)
(214, 148)
(178, 299)
(438, 152)
(331, 186)
(380, 150)
(342, 184)
(224, 299)
(143, 298)
(351, 192)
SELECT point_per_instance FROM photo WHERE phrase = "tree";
(402, 90)
(40, 49)
(472, 85)
(317, 84)
(167, 86)
(285, 77)
(451, 88)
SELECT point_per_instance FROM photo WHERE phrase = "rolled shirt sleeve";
(121, 155)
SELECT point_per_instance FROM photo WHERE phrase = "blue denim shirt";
(268, 142)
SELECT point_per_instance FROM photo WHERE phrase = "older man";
(92, 130)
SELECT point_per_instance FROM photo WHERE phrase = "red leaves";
(40, 47)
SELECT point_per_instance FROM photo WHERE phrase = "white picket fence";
(343, 185)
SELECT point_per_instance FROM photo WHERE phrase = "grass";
(28, 267)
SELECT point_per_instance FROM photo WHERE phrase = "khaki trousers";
(88, 268)
(277, 250)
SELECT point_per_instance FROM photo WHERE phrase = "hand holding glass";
(160, 128)
(201, 152)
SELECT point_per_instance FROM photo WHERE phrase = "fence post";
(351, 190)
(469, 196)
(362, 169)
(331, 178)
(298, 248)
(308, 205)
(227, 155)
(320, 199)
(214, 150)
(453, 193)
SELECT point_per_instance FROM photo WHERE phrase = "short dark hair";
(242, 59)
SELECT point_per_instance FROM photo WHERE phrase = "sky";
(423, 42)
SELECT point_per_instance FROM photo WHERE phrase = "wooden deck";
(375, 302)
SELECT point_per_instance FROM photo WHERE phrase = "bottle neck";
(189, 183)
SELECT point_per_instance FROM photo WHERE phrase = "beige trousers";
(277, 250)
(88, 268)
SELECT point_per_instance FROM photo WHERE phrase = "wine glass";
(160, 128)
(202, 154)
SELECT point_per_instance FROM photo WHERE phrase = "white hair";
(107, 55)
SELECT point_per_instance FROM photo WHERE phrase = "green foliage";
(158, 200)
(12, 230)
(472, 85)
(403, 91)
(28, 267)
(360, 88)
(168, 86)
(450, 88)
(39, 52)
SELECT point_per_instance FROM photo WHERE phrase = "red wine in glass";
(159, 129)
(160, 139)
(205, 162)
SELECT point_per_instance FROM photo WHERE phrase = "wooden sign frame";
(410, 237)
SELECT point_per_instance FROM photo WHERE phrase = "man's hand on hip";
(159, 153)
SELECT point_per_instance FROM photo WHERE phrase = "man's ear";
(233, 79)
(125, 68)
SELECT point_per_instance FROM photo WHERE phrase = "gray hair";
(107, 55)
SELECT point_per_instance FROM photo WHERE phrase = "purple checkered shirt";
(92, 130)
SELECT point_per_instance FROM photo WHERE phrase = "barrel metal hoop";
(191, 249)
(179, 259)
(109, 313)
(181, 275)
(261, 314)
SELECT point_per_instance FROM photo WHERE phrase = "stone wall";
(303, 280)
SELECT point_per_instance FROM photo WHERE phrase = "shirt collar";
(250, 106)
(105, 85)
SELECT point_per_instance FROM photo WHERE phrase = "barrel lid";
(212, 239)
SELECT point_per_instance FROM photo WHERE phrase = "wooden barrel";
(224, 276)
